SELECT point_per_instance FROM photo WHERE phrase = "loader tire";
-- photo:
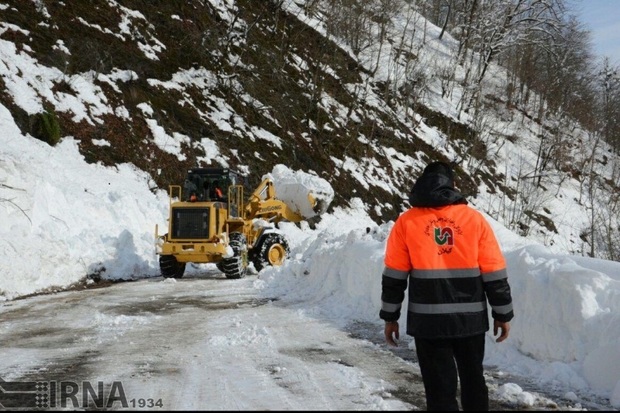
(271, 250)
(170, 267)
(237, 265)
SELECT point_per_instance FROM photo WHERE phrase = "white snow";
(295, 187)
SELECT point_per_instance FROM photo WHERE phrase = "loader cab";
(203, 181)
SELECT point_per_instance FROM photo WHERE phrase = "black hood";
(433, 190)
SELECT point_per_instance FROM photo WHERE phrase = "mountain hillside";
(170, 85)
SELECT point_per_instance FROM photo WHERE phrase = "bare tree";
(609, 102)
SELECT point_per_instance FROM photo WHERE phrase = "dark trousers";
(445, 361)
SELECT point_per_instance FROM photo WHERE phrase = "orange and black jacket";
(448, 254)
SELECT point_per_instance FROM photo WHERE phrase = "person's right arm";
(495, 280)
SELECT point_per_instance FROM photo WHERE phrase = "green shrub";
(45, 127)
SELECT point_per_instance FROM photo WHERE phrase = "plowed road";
(200, 343)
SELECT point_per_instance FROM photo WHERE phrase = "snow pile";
(62, 219)
(307, 194)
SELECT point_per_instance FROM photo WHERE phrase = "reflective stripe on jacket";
(453, 264)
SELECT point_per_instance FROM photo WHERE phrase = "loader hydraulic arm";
(263, 203)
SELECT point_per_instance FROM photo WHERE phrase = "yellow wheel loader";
(210, 226)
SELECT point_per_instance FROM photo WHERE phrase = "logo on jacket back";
(443, 231)
(444, 237)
